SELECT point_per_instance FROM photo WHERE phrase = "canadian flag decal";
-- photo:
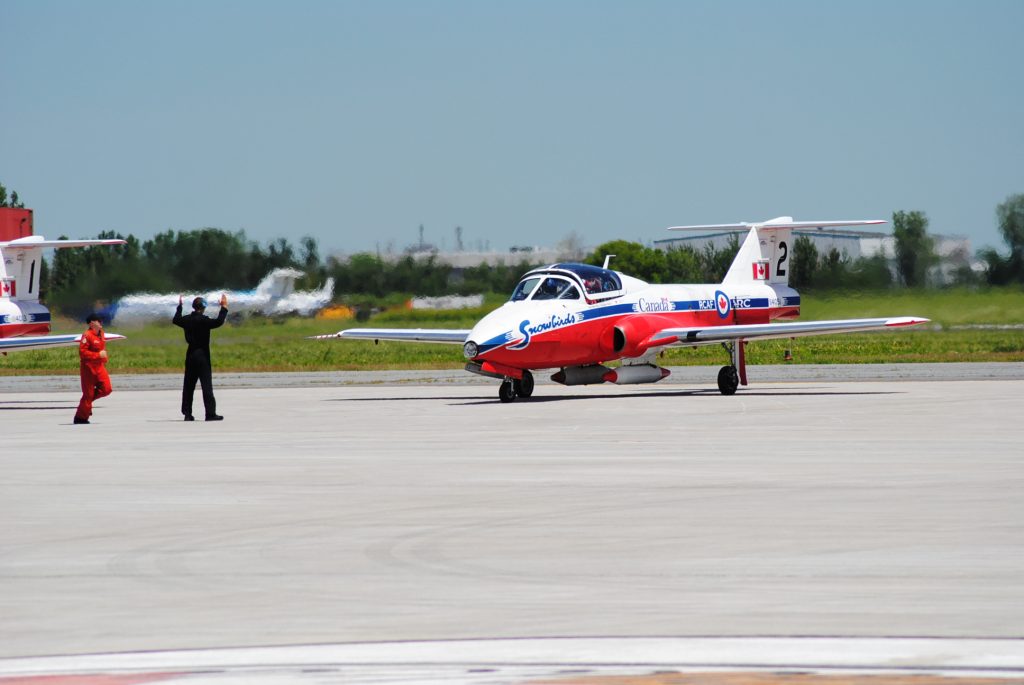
(760, 271)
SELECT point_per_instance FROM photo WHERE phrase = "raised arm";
(177, 320)
(219, 321)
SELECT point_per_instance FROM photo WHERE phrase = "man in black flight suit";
(197, 359)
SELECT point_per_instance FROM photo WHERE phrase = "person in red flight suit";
(92, 353)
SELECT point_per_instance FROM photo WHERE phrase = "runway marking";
(553, 661)
(782, 678)
(94, 679)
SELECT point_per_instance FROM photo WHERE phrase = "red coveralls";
(95, 380)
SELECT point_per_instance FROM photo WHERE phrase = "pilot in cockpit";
(548, 290)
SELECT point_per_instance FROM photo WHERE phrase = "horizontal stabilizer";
(782, 222)
(431, 335)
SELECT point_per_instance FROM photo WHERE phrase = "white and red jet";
(21, 313)
(576, 317)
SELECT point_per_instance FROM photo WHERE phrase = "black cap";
(93, 317)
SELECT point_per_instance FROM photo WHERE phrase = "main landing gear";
(728, 380)
(511, 388)
(730, 377)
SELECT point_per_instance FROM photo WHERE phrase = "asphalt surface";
(416, 509)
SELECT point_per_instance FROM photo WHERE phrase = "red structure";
(15, 223)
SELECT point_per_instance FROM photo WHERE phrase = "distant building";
(513, 257)
(461, 260)
(954, 252)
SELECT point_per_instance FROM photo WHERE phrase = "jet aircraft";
(577, 317)
(21, 314)
(274, 295)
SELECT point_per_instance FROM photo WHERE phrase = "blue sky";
(521, 122)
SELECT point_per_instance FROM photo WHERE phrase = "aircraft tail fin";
(309, 303)
(762, 258)
(327, 292)
(19, 277)
(765, 254)
(21, 263)
(302, 302)
(278, 284)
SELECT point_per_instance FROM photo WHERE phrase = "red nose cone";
(665, 373)
(610, 377)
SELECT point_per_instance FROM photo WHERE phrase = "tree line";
(211, 258)
(10, 200)
(1004, 269)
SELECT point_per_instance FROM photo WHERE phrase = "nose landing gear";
(507, 390)
(511, 388)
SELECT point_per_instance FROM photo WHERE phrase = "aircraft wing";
(765, 331)
(37, 241)
(433, 335)
(42, 342)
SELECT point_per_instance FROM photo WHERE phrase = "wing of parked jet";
(767, 331)
(38, 242)
(433, 335)
(42, 342)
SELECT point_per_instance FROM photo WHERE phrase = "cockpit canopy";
(565, 281)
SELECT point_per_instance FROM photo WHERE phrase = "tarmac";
(407, 527)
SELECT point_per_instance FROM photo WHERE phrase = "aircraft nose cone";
(484, 336)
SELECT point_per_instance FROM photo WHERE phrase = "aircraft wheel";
(524, 388)
(506, 391)
(728, 380)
